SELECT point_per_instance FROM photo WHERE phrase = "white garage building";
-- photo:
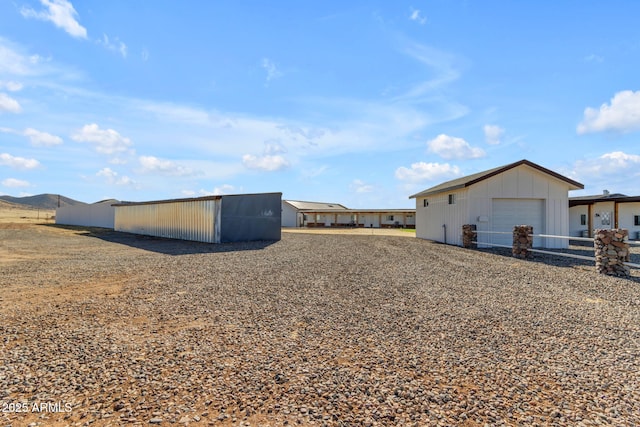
(520, 193)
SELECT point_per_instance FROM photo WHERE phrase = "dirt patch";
(51, 293)
(354, 231)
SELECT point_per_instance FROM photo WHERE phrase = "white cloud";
(616, 163)
(493, 134)
(15, 183)
(8, 104)
(144, 55)
(113, 177)
(224, 189)
(442, 66)
(416, 16)
(616, 171)
(622, 115)
(267, 162)
(449, 147)
(422, 171)
(359, 186)
(11, 86)
(151, 164)
(61, 13)
(42, 139)
(106, 141)
(271, 69)
(18, 162)
(115, 46)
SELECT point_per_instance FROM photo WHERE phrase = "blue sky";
(359, 102)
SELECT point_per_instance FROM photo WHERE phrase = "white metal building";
(368, 218)
(520, 193)
(213, 219)
(607, 210)
(99, 214)
(293, 211)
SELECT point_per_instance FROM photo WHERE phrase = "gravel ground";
(105, 328)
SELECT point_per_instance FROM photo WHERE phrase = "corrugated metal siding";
(196, 220)
(95, 215)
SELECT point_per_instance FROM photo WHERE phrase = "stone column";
(611, 251)
(469, 236)
(522, 241)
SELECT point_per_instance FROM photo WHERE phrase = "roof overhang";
(470, 180)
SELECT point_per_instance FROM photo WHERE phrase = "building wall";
(250, 217)
(289, 215)
(575, 212)
(440, 217)
(94, 215)
(196, 220)
(473, 205)
(626, 212)
(218, 219)
(603, 215)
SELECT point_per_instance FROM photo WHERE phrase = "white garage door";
(510, 212)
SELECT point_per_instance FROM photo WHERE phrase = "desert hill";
(41, 201)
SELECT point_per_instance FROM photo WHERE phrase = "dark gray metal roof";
(192, 199)
(469, 180)
(615, 197)
(359, 211)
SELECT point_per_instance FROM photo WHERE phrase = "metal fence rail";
(551, 236)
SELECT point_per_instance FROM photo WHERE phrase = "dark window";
(636, 220)
(452, 199)
(425, 203)
(583, 219)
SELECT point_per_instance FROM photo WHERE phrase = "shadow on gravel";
(163, 245)
(561, 261)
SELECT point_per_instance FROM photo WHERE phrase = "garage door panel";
(510, 212)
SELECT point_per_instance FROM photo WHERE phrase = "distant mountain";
(42, 201)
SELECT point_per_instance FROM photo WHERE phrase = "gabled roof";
(300, 205)
(469, 180)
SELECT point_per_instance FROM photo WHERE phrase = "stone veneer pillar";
(469, 236)
(522, 241)
(611, 251)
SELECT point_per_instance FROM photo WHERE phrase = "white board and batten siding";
(521, 195)
(450, 217)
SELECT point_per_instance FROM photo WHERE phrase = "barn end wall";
(523, 182)
(474, 205)
(94, 215)
(250, 217)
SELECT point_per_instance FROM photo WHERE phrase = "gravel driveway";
(106, 328)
